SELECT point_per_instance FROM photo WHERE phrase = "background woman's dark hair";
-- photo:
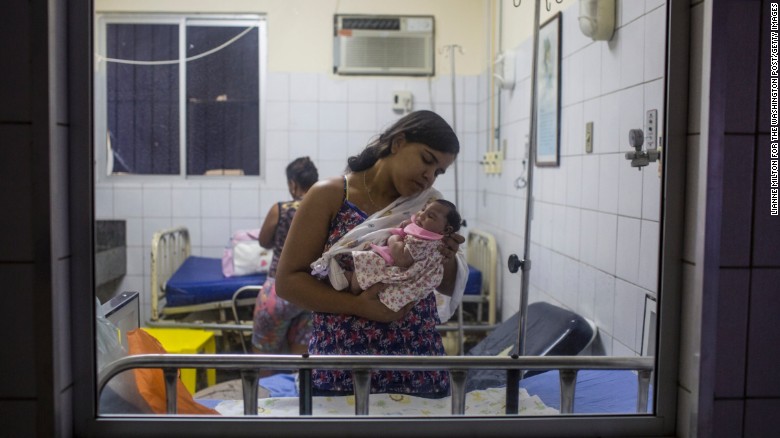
(453, 217)
(423, 126)
(303, 172)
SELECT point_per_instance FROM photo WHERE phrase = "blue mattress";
(597, 391)
(474, 282)
(200, 280)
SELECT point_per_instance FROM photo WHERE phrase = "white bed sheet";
(487, 402)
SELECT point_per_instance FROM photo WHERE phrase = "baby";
(410, 263)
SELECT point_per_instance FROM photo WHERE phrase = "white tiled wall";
(594, 240)
(325, 117)
(595, 230)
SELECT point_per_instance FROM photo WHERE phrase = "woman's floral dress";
(415, 334)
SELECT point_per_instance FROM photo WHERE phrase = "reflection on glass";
(142, 102)
(222, 101)
(595, 230)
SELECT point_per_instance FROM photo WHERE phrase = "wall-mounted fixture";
(589, 137)
(492, 161)
(505, 74)
(383, 45)
(402, 101)
(597, 19)
(640, 158)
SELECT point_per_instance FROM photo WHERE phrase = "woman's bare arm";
(268, 230)
(305, 243)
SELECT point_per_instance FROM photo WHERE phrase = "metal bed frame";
(361, 366)
(170, 248)
(482, 254)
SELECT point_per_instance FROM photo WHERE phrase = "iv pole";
(526, 266)
(449, 50)
(514, 262)
(525, 263)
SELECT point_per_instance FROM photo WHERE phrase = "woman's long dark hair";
(423, 126)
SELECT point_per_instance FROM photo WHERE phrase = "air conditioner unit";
(383, 45)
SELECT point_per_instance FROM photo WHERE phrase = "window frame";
(182, 20)
(81, 213)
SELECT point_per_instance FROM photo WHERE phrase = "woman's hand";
(449, 250)
(370, 307)
(450, 245)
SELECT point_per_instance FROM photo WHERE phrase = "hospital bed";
(183, 284)
(579, 384)
(482, 256)
(487, 382)
(481, 287)
(191, 292)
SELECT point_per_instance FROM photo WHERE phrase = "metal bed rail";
(241, 328)
(223, 323)
(361, 367)
(169, 250)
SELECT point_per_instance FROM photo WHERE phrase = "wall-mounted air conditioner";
(383, 45)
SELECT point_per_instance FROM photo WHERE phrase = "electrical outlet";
(490, 162)
(589, 137)
(498, 161)
(487, 163)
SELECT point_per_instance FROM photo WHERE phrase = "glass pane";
(223, 132)
(596, 228)
(143, 100)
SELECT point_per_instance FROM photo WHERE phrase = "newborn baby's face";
(433, 217)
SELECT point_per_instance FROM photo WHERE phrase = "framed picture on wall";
(548, 92)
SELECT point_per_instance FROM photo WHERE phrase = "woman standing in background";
(279, 326)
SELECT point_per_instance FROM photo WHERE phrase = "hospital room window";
(179, 95)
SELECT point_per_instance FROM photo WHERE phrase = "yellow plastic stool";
(187, 341)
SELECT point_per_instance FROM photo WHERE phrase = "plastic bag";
(244, 255)
(120, 395)
(151, 383)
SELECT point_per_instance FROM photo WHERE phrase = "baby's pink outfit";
(404, 284)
